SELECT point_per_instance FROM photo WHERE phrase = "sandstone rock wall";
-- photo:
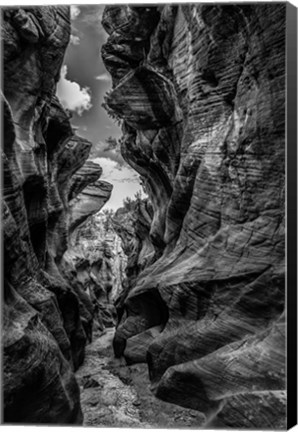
(45, 320)
(200, 93)
(132, 224)
(97, 262)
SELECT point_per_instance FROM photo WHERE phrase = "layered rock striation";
(44, 326)
(132, 224)
(200, 93)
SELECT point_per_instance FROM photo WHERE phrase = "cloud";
(72, 96)
(103, 77)
(75, 40)
(112, 173)
(100, 150)
(74, 12)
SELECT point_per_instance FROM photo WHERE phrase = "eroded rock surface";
(96, 263)
(132, 223)
(87, 194)
(200, 92)
(44, 329)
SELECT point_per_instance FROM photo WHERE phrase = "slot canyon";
(170, 310)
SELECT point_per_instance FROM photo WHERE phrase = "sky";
(81, 88)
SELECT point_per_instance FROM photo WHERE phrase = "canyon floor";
(114, 394)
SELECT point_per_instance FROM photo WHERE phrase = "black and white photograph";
(149, 203)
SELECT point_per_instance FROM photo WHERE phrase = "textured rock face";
(132, 223)
(89, 202)
(44, 329)
(200, 91)
(97, 262)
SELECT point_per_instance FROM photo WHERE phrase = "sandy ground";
(116, 395)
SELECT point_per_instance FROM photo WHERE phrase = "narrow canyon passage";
(105, 399)
(144, 215)
(113, 393)
(116, 395)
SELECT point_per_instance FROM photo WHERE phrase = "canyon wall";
(200, 92)
(95, 261)
(46, 321)
(132, 224)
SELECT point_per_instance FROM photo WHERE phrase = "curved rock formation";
(88, 202)
(44, 329)
(200, 92)
(132, 223)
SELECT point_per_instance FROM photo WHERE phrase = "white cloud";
(100, 150)
(103, 77)
(75, 40)
(74, 12)
(71, 95)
